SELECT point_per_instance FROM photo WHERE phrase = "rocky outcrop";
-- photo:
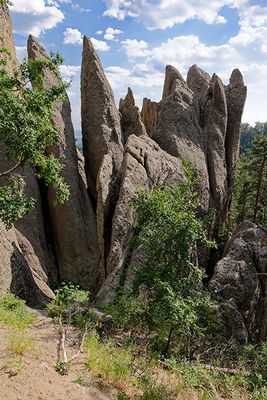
(144, 165)
(130, 117)
(26, 260)
(87, 239)
(238, 282)
(178, 131)
(102, 144)
(101, 126)
(21, 270)
(236, 93)
(197, 122)
(73, 224)
(6, 40)
(149, 115)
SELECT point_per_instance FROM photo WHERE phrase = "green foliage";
(27, 130)
(129, 313)
(80, 380)
(249, 133)
(5, 3)
(13, 312)
(13, 203)
(169, 231)
(106, 360)
(19, 342)
(249, 200)
(69, 304)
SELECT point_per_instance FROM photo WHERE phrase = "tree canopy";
(26, 132)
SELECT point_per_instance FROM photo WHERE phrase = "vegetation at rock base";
(26, 131)
(250, 201)
(168, 231)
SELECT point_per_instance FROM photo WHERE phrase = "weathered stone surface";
(73, 224)
(172, 75)
(149, 115)
(144, 166)
(21, 271)
(130, 117)
(26, 261)
(236, 276)
(236, 93)
(102, 143)
(101, 128)
(197, 78)
(6, 40)
(179, 133)
(215, 117)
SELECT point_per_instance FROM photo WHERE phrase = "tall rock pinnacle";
(73, 223)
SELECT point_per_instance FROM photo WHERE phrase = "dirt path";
(33, 376)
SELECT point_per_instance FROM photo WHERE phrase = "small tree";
(168, 231)
(26, 131)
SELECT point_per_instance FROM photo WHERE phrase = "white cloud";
(100, 44)
(253, 16)
(111, 33)
(134, 48)
(34, 17)
(69, 71)
(99, 32)
(73, 36)
(21, 52)
(162, 14)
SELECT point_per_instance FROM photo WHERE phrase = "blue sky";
(135, 39)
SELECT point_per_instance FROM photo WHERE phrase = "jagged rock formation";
(6, 40)
(149, 115)
(25, 256)
(239, 282)
(102, 143)
(131, 121)
(144, 165)
(73, 224)
(87, 240)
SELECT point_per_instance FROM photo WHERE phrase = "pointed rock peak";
(236, 78)
(89, 51)
(197, 78)
(35, 49)
(128, 102)
(129, 99)
(172, 75)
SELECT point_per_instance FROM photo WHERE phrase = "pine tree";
(250, 198)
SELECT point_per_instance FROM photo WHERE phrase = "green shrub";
(168, 229)
(107, 361)
(69, 304)
(14, 313)
(19, 343)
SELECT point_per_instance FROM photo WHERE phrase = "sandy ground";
(35, 378)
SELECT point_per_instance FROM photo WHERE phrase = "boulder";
(73, 224)
(21, 271)
(237, 279)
